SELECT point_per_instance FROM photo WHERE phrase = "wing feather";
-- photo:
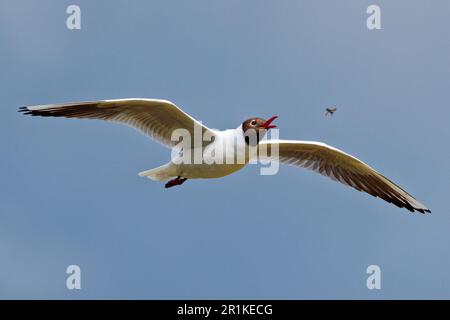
(155, 118)
(342, 167)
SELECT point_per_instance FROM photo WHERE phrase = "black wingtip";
(423, 211)
(25, 111)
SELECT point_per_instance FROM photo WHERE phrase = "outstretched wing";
(155, 118)
(341, 167)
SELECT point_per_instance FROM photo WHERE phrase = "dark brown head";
(255, 128)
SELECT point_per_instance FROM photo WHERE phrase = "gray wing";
(155, 118)
(342, 167)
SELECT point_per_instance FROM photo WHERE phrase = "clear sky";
(70, 193)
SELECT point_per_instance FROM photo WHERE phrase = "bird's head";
(256, 128)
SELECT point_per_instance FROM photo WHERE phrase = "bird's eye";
(253, 122)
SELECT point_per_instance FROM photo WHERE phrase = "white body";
(235, 155)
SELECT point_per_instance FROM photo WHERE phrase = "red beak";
(267, 125)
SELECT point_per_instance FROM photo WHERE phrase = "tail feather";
(161, 173)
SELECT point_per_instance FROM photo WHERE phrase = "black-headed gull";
(159, 119)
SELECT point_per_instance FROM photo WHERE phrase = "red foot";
(175, 182)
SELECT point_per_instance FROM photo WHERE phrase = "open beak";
(267, 125)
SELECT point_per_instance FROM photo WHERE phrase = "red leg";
(175, 182)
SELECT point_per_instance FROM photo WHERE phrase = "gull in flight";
(158, 119)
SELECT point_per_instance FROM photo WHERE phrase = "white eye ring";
(253, 122)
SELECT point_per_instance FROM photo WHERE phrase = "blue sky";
(70, 193)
